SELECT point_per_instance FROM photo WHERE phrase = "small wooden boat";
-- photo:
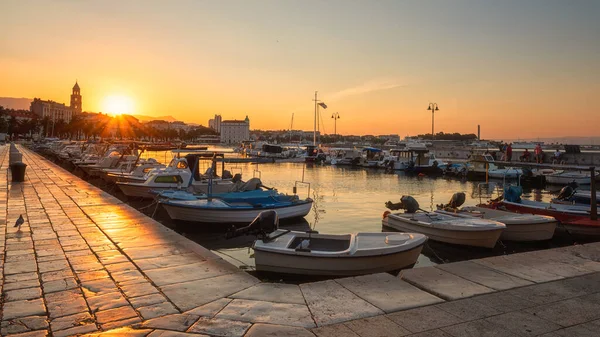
(561, 212)
(291, 252)
(566, 177)
(217, 210)
(519, 227)
(445, 228)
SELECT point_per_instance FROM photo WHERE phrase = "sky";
(520, 69)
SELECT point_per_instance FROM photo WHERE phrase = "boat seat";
(396, 239)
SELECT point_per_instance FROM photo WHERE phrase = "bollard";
(18, 172)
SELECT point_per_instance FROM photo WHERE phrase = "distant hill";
(143, 118)
(15, 103)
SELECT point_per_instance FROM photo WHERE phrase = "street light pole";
(335, 116)
(433, 107)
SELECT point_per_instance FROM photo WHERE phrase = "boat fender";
(385, 214)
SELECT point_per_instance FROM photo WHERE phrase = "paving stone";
(268, 312)
(121, 267)
(483, 275)
(38, 333)
(168, 261)
(21, 285)
(478, 328)
(147, 300)
(98, 287)
(166, 333)
(546, 293)
(568, 312)
(443, 284)
(76, 330)
(20, 267)
(330, 303)
(186, 296)
(59, 285)
(71, 321)
(106, 301)
(184, 273)
(56, 275)
(16, 278)
(154, 251)
(423, 319)
(22, 294)
(111, 257)
(220, 327)
(138, 289)
(92, 275)
(66, 295)
(23, 324)
(336, 330)
(468, 309)
(574, 331)
(210, 309)
(432, 333)
(23, 308)
(272, 292)
(121, 323)
(504, 302)
(157, 310)
(69, 307)
(378, 326)
(52, 266)
(116, 314)
(129, 277)
(523, 323)
(177, 322)
(387, 292)
(271, 330)
(514, 268)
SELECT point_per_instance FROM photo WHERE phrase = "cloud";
(367, 87)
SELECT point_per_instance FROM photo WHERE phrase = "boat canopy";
(371, 149)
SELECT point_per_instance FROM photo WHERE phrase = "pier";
(85, 263)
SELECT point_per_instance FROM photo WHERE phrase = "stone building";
(235, 131)
(215, 123)
(76, 99)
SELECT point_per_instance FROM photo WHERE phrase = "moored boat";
(519, 227)
(337, 255)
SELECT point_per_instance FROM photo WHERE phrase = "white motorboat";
(565, 177)
(445, 228)
(519, 227)
(177, 175)
(130, 174)
(291, 252)
(504, 173)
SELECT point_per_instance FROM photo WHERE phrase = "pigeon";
(19, 222)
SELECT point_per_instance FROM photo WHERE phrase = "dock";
(85, 263)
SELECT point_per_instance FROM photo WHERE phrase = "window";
(168, 179)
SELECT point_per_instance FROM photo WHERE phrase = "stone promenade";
(84, 263)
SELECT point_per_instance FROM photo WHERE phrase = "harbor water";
(352, 200)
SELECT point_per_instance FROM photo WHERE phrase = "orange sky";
(519, 70)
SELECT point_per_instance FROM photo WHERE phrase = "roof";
(76, 86)
(233, 121)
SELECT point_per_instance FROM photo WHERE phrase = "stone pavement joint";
(85, 263)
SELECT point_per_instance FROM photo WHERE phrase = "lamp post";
(335, 116)
(433, 107)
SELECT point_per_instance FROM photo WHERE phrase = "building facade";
(55, 111)
(215, 123)
(234, 131)
(76, 99)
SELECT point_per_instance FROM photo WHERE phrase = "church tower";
(76, 99)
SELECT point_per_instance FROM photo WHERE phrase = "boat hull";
(583, 227)
(232, 215)
(483, 238)
(335, 266)
(528, 231)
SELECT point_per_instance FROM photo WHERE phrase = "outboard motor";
(566, 192)
(407, 203)
(457, 200)
(266, 222)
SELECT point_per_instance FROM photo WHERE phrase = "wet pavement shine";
(85, 263)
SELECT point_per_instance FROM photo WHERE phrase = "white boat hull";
(231, 215)
(564, 180)
(335, 266)
(486, 238)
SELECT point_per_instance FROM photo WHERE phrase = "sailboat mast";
(315, 124)
(291, 127)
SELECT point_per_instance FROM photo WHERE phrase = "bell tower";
(76, 99)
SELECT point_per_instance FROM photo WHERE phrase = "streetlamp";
(433, 107)
(335, 116)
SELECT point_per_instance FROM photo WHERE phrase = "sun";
(118, 105)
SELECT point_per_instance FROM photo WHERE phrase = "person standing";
(509, 152)
(538, 153)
